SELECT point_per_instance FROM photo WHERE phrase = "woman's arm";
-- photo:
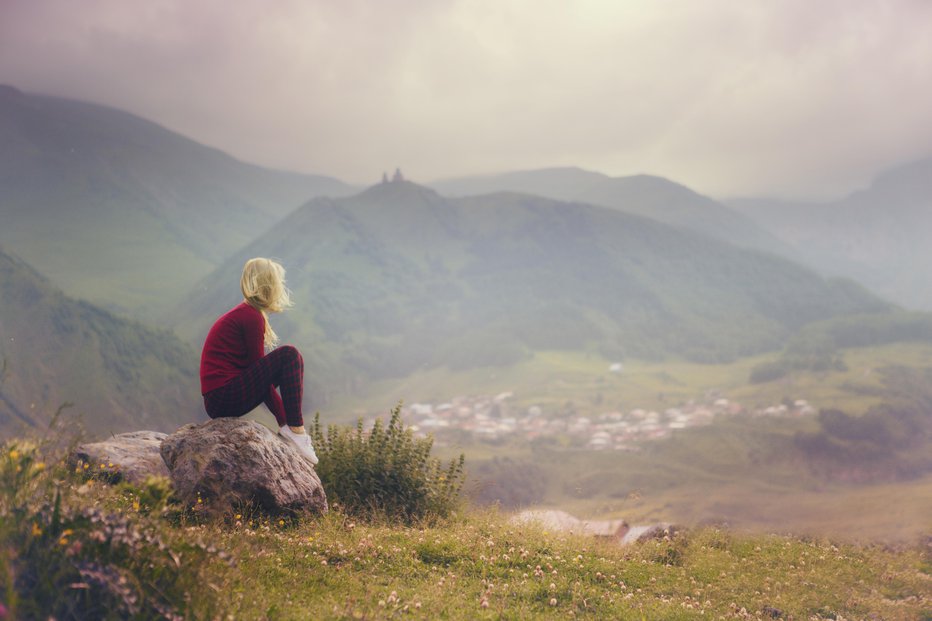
(255, 349)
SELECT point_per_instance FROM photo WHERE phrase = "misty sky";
(732, 97)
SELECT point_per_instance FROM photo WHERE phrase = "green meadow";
(551, 379)
(742, 471)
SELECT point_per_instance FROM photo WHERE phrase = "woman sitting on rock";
(236, 373)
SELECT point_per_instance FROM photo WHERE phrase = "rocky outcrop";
(654, 531)
(130, 457)
(616, 530)
(229, 462)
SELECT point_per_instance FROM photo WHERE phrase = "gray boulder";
(230, 462)
(130, 457)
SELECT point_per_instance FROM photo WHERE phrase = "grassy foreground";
(476, 565)
(73, 546)
(482, 567)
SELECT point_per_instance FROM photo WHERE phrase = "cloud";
(731, 98)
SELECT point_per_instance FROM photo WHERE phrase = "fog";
(789, 99)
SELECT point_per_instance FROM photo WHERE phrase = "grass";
(72, 545)
(853, 390)
(482, 567)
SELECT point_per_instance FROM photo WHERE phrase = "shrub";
(386, 471)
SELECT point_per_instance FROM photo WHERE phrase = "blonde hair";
(263, 287)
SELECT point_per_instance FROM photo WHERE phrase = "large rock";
(228, 462)
(128, 457)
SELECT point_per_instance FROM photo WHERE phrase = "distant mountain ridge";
(878, 236)
(644, 195)
(113, 207)
(399, 278)
(123, 213)
(120, 375)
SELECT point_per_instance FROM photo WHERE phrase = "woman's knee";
(290, 352)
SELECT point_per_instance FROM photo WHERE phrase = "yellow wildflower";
(14, 454)
(36, 531)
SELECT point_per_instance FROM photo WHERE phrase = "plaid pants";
(282, 367)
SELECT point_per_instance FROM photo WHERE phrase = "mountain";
(645, 195)
(878, 236)
(120, 375)
(113, 207)
(398, 278)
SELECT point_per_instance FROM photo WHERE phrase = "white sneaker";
(301, 440)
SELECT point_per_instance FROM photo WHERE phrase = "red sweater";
(235, 341)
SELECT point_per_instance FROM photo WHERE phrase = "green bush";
(385, 472)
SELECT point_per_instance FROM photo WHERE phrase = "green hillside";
(115, 208)
(119, 375)
(399, 278)
(645, 195)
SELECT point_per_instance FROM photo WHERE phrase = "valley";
(739, 467)
(551, 379)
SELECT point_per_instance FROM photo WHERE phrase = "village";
(498, 419)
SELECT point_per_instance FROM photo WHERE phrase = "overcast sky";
(795, 98)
